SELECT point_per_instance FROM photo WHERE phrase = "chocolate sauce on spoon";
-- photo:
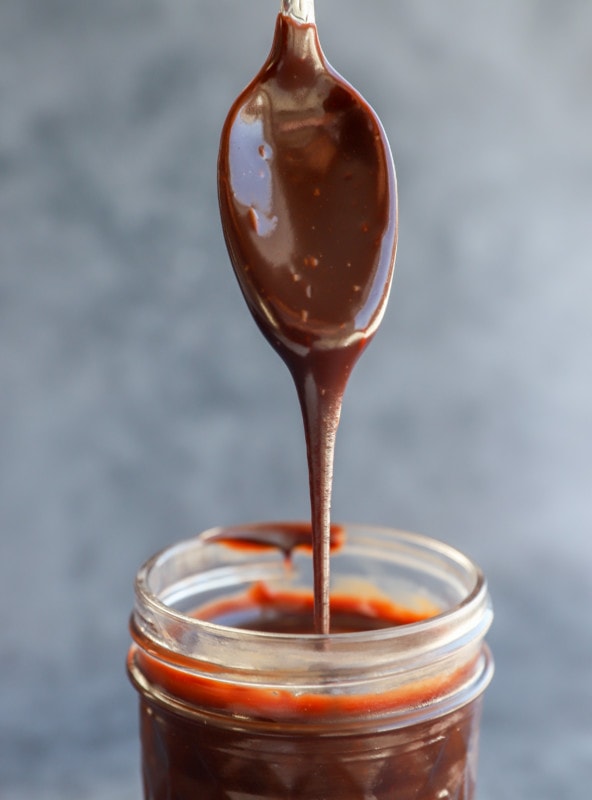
(307, 196)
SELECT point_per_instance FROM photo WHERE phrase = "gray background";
(139, 404)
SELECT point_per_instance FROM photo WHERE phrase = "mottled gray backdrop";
(139, 404)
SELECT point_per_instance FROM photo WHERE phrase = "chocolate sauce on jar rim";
(307, 196)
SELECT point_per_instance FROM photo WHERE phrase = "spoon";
(307, 195)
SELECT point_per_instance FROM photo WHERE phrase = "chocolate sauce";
(284, 536)
(263, 609)
(255, 705)
(205, 737)
(185, 758)
(307, 197)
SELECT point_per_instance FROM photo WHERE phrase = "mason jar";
(239, 698)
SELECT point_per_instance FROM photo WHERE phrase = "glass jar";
(383, 710)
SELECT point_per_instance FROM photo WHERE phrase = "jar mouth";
(179, 578)
(399, 674)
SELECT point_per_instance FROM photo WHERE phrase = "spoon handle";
(300, 10)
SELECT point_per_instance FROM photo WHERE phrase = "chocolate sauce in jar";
(240, 699)
(307, 196)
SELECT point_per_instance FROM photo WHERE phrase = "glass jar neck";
(419, 669)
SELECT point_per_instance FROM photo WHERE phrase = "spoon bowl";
(308, 197)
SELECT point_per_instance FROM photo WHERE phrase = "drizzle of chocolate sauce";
(307, 195)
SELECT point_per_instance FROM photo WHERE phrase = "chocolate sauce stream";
(307, 198)
(320, 413)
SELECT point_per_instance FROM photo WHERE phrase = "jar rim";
(474, 603)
